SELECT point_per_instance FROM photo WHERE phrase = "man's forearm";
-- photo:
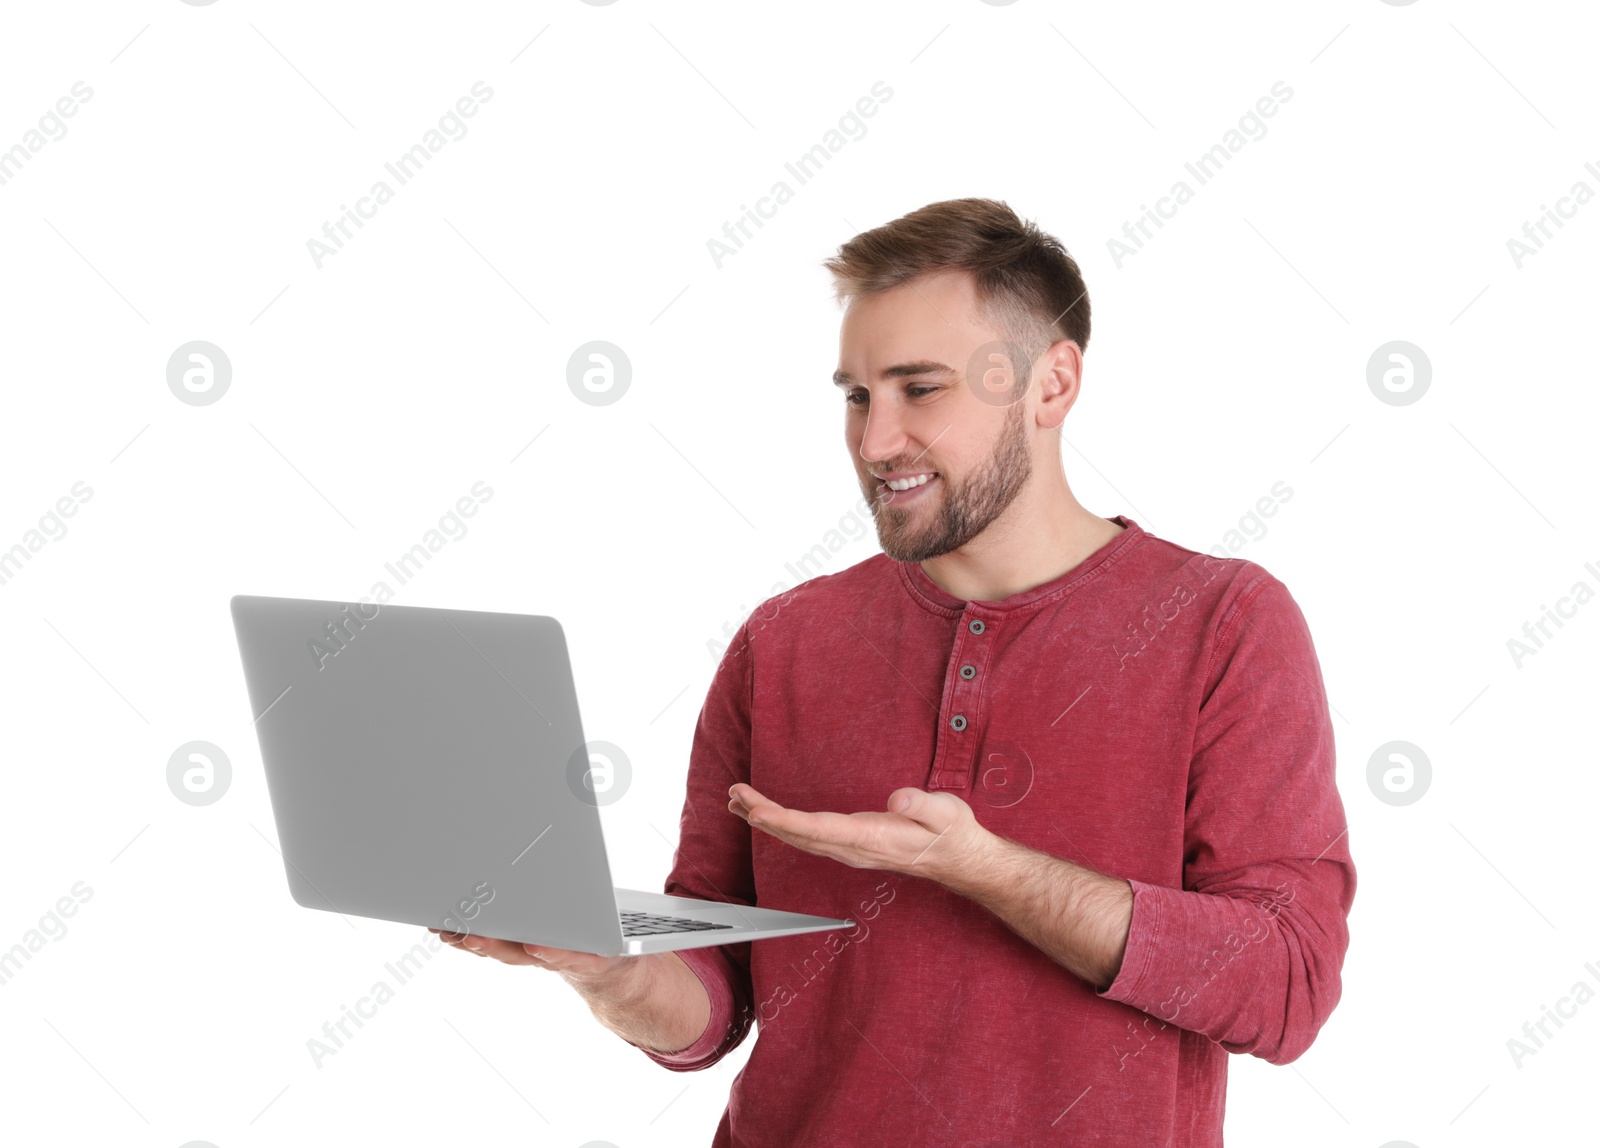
(655, 1002)
(1077, 917)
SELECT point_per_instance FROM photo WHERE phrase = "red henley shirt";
(1155, 714)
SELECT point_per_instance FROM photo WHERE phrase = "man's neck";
(1025, 547)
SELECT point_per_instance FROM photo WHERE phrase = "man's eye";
(915, 392)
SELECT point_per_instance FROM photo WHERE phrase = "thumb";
(916, 804)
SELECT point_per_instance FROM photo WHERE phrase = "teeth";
(908, 483)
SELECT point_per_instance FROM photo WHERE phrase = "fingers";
(457, 941)
(744, 800)
(507, 952)
(584, 965)
(567, 961)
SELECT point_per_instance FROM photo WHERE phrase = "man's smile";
(898, 489)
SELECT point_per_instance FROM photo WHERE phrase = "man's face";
(904, 362)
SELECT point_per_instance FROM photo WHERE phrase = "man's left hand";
(922, 834)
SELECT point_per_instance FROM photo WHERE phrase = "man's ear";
(1060, 371)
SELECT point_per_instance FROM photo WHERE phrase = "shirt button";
(969, 672)
(976, 625)
(958, 723)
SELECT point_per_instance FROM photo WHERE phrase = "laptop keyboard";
(648, 924)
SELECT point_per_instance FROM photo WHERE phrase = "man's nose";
(884, 436)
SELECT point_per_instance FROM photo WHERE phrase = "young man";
(1074, 783)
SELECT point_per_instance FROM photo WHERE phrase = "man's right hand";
(656, 1002)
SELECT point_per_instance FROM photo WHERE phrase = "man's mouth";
(904, 488)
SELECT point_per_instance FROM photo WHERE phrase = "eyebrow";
(899, 371)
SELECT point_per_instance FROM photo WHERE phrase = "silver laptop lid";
(428, 766)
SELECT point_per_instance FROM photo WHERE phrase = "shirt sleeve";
(712, 861)
(1249, 951)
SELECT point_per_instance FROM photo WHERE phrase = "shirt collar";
(929, 594)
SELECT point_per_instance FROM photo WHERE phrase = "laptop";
(428, 766)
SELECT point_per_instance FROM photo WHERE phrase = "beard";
(968, 506)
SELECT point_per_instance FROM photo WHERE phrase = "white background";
(368, 395)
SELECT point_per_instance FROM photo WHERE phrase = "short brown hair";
(1027, 285)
